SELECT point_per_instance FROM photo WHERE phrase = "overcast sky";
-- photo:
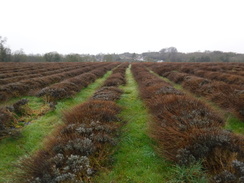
(117, 26)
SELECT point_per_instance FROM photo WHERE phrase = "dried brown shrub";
(107, 93)
(4, 96)
(176, 77)
(104, 111)
(117, 77)
(193, 83)
(184, 112)
(77, 149)
(6, 118)
(149, 81)
(186, 131)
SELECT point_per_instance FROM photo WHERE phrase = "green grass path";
(135, 160)
(32, 136)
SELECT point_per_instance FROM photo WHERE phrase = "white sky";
(117, 26)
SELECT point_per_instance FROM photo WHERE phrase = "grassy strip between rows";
(32, 135)
(232, 123)
(135, 160)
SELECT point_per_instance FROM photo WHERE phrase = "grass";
(234, 124)
(32, 135)
(189, 174)
(135, 160)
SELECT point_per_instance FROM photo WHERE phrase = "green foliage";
(5, 53)
(19, 56)
(235, 124)
(200, 59)
(189, 174)
(108, 58)
(52, 57)
(73, 58)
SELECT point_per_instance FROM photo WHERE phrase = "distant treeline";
(172, 55)
(164, 55)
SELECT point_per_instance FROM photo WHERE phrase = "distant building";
(140, 58)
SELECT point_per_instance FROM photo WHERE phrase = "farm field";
(120, 122)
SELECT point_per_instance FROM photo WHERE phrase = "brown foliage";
(186, 130)
(30, 84)
(176, 77)
(73, 151)
(107, 93)
(96, 109)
